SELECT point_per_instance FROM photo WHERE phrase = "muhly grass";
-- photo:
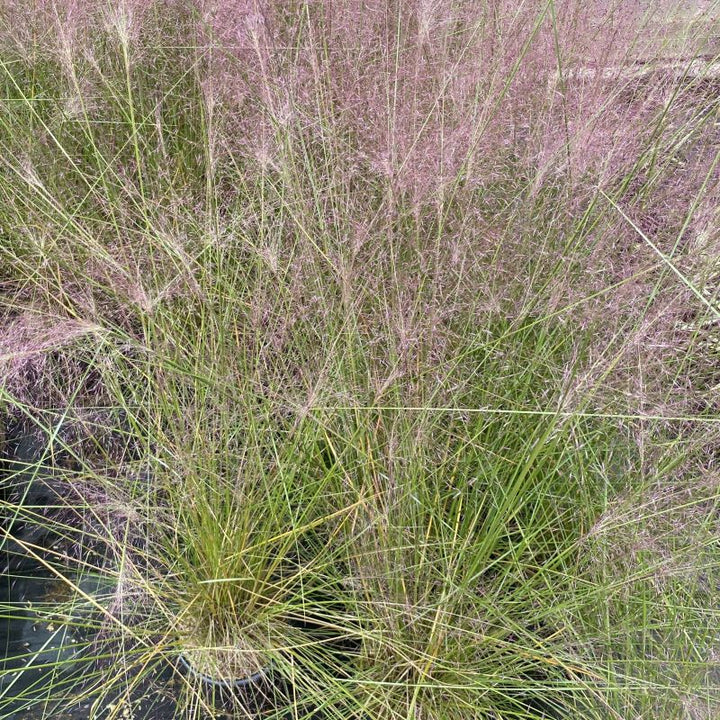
(370, 347)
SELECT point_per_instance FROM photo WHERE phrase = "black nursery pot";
(262, 690)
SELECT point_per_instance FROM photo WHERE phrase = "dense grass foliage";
(367, 347)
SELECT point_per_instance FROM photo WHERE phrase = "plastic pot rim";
(245, 682)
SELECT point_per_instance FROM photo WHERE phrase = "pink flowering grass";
(394, 322)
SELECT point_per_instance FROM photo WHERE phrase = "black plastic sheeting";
(41, 657)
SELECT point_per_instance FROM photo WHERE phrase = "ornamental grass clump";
(246, 560)
(370, 353)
